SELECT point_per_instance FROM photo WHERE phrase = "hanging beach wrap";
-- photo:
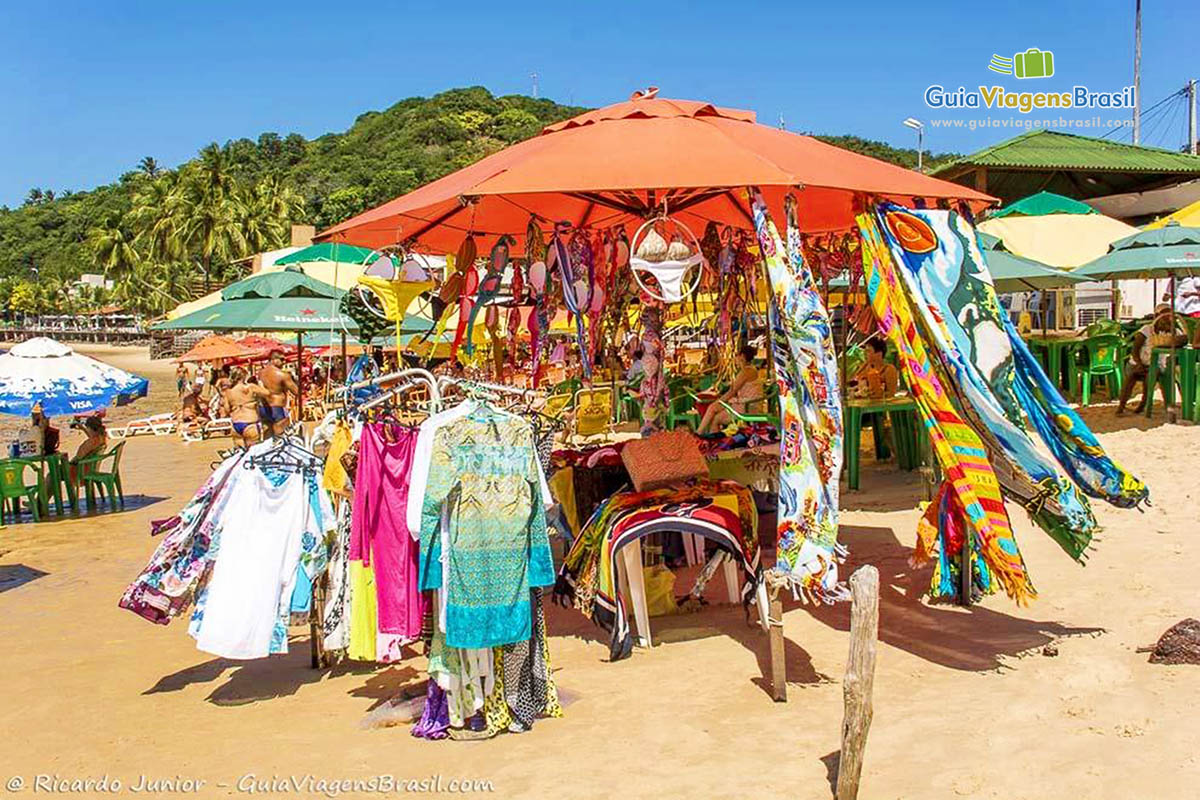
(941, 271)
(489, 287)
(1066, 434)
(560, 257)
(969, 504)
(810, 451)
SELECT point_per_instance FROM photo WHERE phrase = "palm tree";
(266, 212)
(209, 223)
(113, 251)
(149, 167)
(154, 218)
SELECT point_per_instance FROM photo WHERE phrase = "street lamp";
(919, 127)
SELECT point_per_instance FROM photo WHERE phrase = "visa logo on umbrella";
(1033, 63)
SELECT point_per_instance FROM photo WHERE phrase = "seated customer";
(1156, 333)
(96, 442)
(193, 407)
(876, 377)
(745, 390)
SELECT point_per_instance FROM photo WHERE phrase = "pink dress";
(379, 534)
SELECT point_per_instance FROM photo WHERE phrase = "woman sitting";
(96, 442)
(745, 390)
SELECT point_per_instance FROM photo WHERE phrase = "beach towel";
(969, 504)
(941, 270)
(810, 452)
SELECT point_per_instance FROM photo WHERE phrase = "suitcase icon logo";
(1033, 63)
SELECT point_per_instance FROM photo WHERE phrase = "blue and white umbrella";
(43, 371)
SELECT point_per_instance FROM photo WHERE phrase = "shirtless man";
(242, 400)
(279, 385)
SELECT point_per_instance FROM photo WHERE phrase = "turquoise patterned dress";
(483, 528)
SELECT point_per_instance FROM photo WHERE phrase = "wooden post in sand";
(860, 679)
(775, 634)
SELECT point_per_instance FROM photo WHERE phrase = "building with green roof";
(1067, 164)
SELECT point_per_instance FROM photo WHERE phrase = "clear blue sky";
(89, 88)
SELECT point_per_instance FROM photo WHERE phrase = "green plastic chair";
(681, 406)
(13, 489)
(97, 480)
(1102, 361)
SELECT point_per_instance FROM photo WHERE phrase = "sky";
(90, 88)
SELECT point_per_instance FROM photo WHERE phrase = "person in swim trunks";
(279, 384)
(242, 399)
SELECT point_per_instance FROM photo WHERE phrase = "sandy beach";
(966, 703)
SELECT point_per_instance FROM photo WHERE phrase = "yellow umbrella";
(1188, 216)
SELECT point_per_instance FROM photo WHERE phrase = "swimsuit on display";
(670, 274)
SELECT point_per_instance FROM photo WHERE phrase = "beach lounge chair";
(157, 425)
(199, 430)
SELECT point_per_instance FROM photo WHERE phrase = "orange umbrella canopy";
(623, 163)
(214, 347)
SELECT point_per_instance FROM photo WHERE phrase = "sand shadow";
(133, 502)
(975, 638)
(395, 683)
(14, 575)
(1104, 419)
(261, 679)
(716, 618)
(883, 487)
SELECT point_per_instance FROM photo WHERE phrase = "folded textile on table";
(722, 511)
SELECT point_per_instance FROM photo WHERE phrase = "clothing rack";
(410, 377)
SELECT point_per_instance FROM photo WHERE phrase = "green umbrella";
(1013, 273)
(338, 253)
(1170, 251)
(285, 283)
(297, 314)
(270, 301)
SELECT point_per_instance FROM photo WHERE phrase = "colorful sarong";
(942, 272)
(976, 509)
(810, 452)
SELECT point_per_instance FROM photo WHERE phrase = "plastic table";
(902, 410)
(1055, 347)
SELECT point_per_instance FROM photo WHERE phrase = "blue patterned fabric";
(944, 273)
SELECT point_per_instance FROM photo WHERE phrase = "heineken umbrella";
(1170, 251)
(271, 301)
(1013, 273)
(43, 372)
(294, 314)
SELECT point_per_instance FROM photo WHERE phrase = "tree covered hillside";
(164, 234)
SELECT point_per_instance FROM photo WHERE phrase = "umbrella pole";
(300, 376)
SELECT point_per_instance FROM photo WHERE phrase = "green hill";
(161, 233)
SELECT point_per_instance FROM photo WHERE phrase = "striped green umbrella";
(1173, 250)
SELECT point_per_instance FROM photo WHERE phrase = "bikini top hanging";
(668, 250)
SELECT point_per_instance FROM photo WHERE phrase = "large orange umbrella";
(619, 164)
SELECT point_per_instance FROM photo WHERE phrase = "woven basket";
(665, 458)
